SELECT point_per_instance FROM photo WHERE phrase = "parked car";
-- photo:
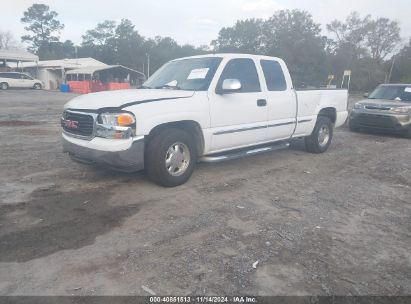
(206, 108)
(388, 108)
(18, 80)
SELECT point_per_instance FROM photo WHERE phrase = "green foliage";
(43, 25)
(289, 34)
(362, 45)
(122, 44)
(245, 37)
(295, 37)
(57, 50)
(402, 67)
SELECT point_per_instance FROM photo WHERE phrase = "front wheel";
(4, 86)
(171, 157)
(320, 139)
(37, 86)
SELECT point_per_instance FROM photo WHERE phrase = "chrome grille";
(80, 124)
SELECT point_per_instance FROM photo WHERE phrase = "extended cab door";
(239, 118)
(281, 99)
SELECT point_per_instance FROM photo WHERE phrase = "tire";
(37, 86)
(319, 141)
(4, 86)
(160, 158)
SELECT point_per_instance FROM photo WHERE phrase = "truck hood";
(123, 98)
(385, 103)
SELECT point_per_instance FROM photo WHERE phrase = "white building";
(52, 72)
(12, 59)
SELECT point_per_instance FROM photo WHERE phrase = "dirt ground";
(332, 224)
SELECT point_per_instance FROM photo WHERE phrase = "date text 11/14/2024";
(203, 299)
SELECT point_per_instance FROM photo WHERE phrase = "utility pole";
(148, 65)
(392, 67)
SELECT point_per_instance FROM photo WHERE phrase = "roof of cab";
(230, 56)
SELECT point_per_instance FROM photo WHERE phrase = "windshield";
(188, 74)
(400, 93)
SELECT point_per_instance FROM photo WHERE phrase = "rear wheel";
(171, 157)
(320, 139)
(4, 86)
(37, 86)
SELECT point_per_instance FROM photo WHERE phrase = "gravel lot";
(331, 224)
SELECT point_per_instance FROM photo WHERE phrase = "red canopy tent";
(96, 79)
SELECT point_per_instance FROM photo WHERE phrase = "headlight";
(117, 119)
(358, 106)
(401, 110)
(116, 125)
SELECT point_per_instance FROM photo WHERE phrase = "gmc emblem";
(70, 124)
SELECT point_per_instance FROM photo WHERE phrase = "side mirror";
(366, 95)
(229, 86)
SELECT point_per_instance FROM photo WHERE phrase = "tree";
(245, 37)
(402, 65)
(99, 42)
(101, 35)
(57, 50)
(382, 37)
(350, 36)
(289, 34)
(361, 45)
(122, 44)
(43, 24)
(129, 45)
(7, 40)
(294, 36)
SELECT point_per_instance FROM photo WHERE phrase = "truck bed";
(311, 101)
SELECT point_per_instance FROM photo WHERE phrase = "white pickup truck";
(206, 108)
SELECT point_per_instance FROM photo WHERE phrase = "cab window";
(274, 75)
(244, 70)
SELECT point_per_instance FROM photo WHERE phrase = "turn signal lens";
(125, 119)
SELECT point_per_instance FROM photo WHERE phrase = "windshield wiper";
(145, 87)
(167, 86)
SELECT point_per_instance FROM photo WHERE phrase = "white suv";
(18, 80)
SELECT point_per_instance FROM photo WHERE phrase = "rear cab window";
(274, 75)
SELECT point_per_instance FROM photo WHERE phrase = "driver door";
(238, 119)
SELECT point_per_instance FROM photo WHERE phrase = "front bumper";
(397, 123)
(130, 159)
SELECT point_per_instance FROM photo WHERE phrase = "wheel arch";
(329, 112)
(190, 126)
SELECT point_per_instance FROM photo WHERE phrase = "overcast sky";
(193, 21)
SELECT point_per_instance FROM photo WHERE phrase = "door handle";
(261, 102)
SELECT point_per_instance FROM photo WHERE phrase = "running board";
(243, 153)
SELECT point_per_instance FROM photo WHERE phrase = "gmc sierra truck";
(206, 108)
